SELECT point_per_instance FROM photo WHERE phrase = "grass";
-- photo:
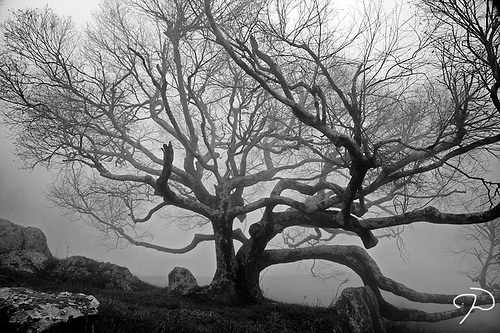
(154, 310)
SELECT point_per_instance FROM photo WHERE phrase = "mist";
(428, 266)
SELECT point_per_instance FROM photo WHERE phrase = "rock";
(24, 261)
(26, 310)
(14, 237)
(360, 306)
(181, 280)
(110, 275)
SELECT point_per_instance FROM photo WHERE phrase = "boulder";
(110, 275)
(14, 237)
(24, 261)
(26, 310)
(360, 307)
(181, 280)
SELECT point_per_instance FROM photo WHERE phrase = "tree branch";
(150, 213)
(362, 264)
(162, 187)
(431, 215)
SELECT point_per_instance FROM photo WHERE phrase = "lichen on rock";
(360, 307)
(182, 281)
(26, 310)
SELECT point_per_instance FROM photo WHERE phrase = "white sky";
(22, 201)
(79, 9)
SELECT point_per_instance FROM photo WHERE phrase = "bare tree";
(102, 105)
(466, 35)
(184, 107)
(410, 126)
(480, 254)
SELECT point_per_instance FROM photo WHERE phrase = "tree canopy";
(290, 115)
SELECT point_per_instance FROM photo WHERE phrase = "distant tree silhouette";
(480, 254)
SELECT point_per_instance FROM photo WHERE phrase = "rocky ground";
(41, 293)
(155, 309)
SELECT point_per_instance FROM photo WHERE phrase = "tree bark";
(249, 258)
(223, 284)
(248, 286)
(249, 268)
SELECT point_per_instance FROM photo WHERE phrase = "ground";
(155, 310)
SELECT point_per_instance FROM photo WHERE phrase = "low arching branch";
(357, 259)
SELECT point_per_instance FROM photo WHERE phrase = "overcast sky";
(429, 269)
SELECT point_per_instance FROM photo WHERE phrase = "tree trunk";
(223, 285)
(236, 279)
(249, 268)
(250, 259)
(248, 286)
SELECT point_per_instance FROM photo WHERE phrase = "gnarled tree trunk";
(223, 284)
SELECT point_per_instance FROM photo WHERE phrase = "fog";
(429, 268)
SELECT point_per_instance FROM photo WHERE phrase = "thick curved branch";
(362, 264)
(313, 204)
(431, 215)
(277, 221)
(292, 184)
